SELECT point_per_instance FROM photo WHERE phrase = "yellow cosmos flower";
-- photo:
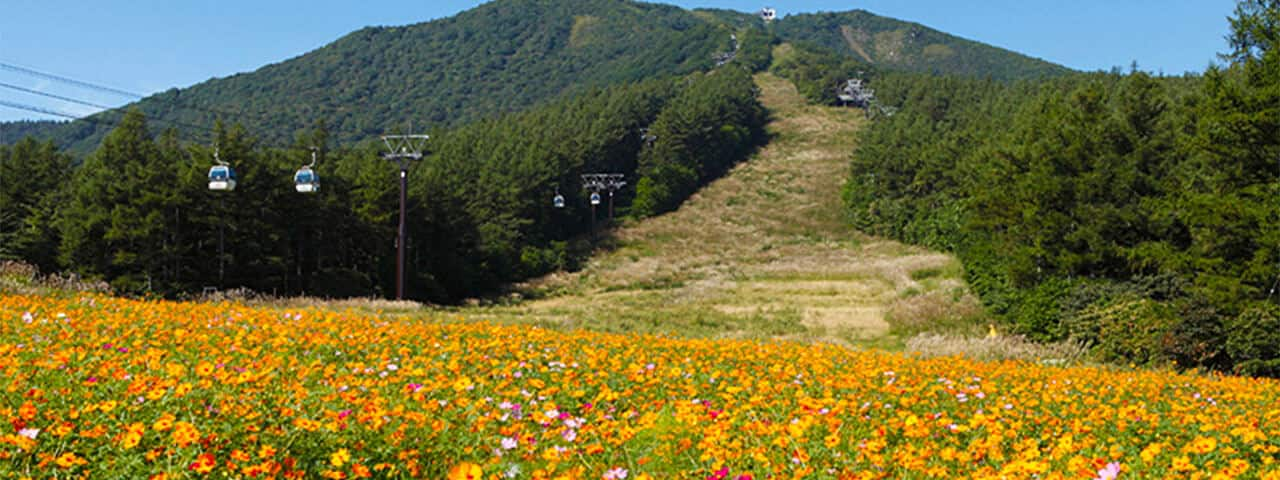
(1203, 445)
(339, 458)
(466, 471)
(68, 460)
(1183, 464)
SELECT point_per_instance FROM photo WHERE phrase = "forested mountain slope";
(890, 44)
(509, 55)
(500, 57)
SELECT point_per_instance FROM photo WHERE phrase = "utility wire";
(111, 90)
(71, 81)
(102, 88)
(56, 97)
(44, 111)
(90, 118)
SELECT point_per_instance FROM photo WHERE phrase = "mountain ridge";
(509, 55)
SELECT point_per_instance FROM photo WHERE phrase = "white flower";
(618, 473)
(29, 432)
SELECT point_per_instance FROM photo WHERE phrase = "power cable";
(111, 90)
(70, 81)
(91, 118)
(56, 97)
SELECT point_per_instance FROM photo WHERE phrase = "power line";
(44, 111)
(90, 118)
(70, 81)
(81, 102)
(112, 90)
(93, 86)
(56, 97)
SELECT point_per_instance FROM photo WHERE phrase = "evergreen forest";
(1137, 213)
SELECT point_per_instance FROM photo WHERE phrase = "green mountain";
(897, 45)
(509, 55)
(500, 57)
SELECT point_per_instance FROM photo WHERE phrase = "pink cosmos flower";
(618, 473)
(1110, 472)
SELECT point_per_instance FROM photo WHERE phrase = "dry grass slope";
(761, 253)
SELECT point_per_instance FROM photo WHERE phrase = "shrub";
(1253, 340)
(1129, 330)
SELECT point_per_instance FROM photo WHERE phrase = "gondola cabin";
(222, 178)
(558, 201)
(306, 180)
(768, 14)
(595, 198)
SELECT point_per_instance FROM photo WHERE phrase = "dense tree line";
(1139, 213)
(714, 123)
(137, 211)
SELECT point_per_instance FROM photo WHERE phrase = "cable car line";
(91, 118)
(56, 97)
(93, 86)
(222, 176)
(70, 81)
(112, 90)
(29, 108)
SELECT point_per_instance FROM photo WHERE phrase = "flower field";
(99, 387)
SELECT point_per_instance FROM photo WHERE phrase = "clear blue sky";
(146, 46)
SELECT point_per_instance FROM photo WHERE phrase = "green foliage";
(32, 192)
(11, 132)
(756, 49)
(714, 123)
(897, 45)
(1130, 330)
(1253, 340)
(819, 73)
(1095, 203)
(483, 199)
(138, 214)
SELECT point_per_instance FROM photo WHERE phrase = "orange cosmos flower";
(185, 434)
(203, 464)
(27, 411)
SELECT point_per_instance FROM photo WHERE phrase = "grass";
(762, 253)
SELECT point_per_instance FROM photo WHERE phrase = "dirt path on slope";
(760, 253)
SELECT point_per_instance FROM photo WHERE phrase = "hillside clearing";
(763, 252)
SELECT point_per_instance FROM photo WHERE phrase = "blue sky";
(146, 46)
